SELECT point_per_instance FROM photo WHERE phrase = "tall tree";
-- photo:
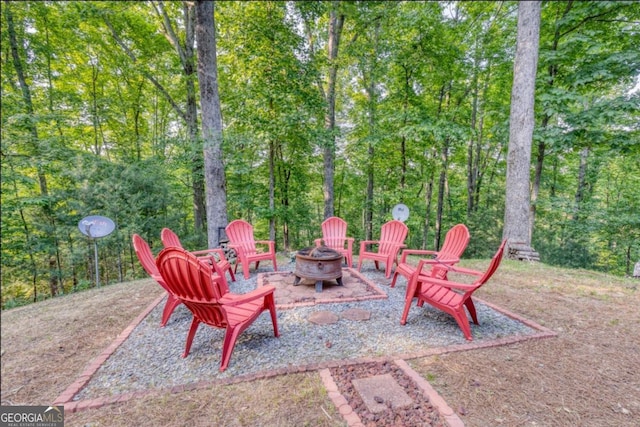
(336, 22)
(211, 120)
(188, 113)
(37, 151)
(521, 121)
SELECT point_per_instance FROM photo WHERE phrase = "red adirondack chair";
(143, 251)
(449, 296)
(209, 300)
(241, 239)
(171, 239)
(455, 242)
(392, 235)
(334, 236)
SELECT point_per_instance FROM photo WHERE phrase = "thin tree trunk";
(35, 142)
(370, 85)
(335, 30)
(428, 195)
(582, 182)
(190, 114)
(441, 190)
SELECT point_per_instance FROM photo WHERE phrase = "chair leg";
(192, 332)
(230, 337)
(170, 305)
(405, 311)
(472, 310)
(233, 276)
(395, 277)
(463, 322)
(412, 288)
(245, 269)
(275, 264)
(269, 301)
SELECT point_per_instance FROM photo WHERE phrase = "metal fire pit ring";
(318, 263)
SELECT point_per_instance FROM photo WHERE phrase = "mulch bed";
(420, 413)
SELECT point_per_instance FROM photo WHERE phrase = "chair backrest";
(188, 278)
(334, 231)
(493, 266)
(191, 281)
(145, 256)
(456, 240)
(240, 233)
(170, 239)
(392, 234)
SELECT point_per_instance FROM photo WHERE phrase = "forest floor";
(587, 375)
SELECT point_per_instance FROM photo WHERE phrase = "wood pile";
(229, 253)
(522, 252)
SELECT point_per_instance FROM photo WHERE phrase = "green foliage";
(423, 91)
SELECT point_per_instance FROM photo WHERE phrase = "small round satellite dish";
(400, 212)
(96, 226)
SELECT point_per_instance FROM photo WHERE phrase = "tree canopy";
(100, 116)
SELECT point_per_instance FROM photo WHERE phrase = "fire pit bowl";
(318, 263)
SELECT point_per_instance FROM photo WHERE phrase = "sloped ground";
(586, 376)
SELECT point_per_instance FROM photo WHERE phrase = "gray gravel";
(151, 356)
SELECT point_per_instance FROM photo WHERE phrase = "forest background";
(100, 117)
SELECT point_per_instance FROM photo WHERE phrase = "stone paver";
(381, 391)
(356, 314)
(323, 318)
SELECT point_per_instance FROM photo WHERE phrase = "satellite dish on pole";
(400, 212)
(96, 226)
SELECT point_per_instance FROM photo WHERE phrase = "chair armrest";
(364, 243)
(217, 251)
(449, 284)
(350, 241)
(406, 252)
(469, 271)
(446, 263)
(237, 299)
(269, 243)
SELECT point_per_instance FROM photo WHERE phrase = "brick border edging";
(93, 366)
(70, 406)
(380, 294)
(451, 418)
(353, 420)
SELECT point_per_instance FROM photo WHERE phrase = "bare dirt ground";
(587, 376)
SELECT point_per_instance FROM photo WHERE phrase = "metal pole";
(95, 246)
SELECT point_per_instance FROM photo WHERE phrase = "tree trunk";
(335, 29)
(582, 182)
(441, 189)
(427, 200)
(370, 80)
(211, 113)
(521, 121)
(186, 54)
